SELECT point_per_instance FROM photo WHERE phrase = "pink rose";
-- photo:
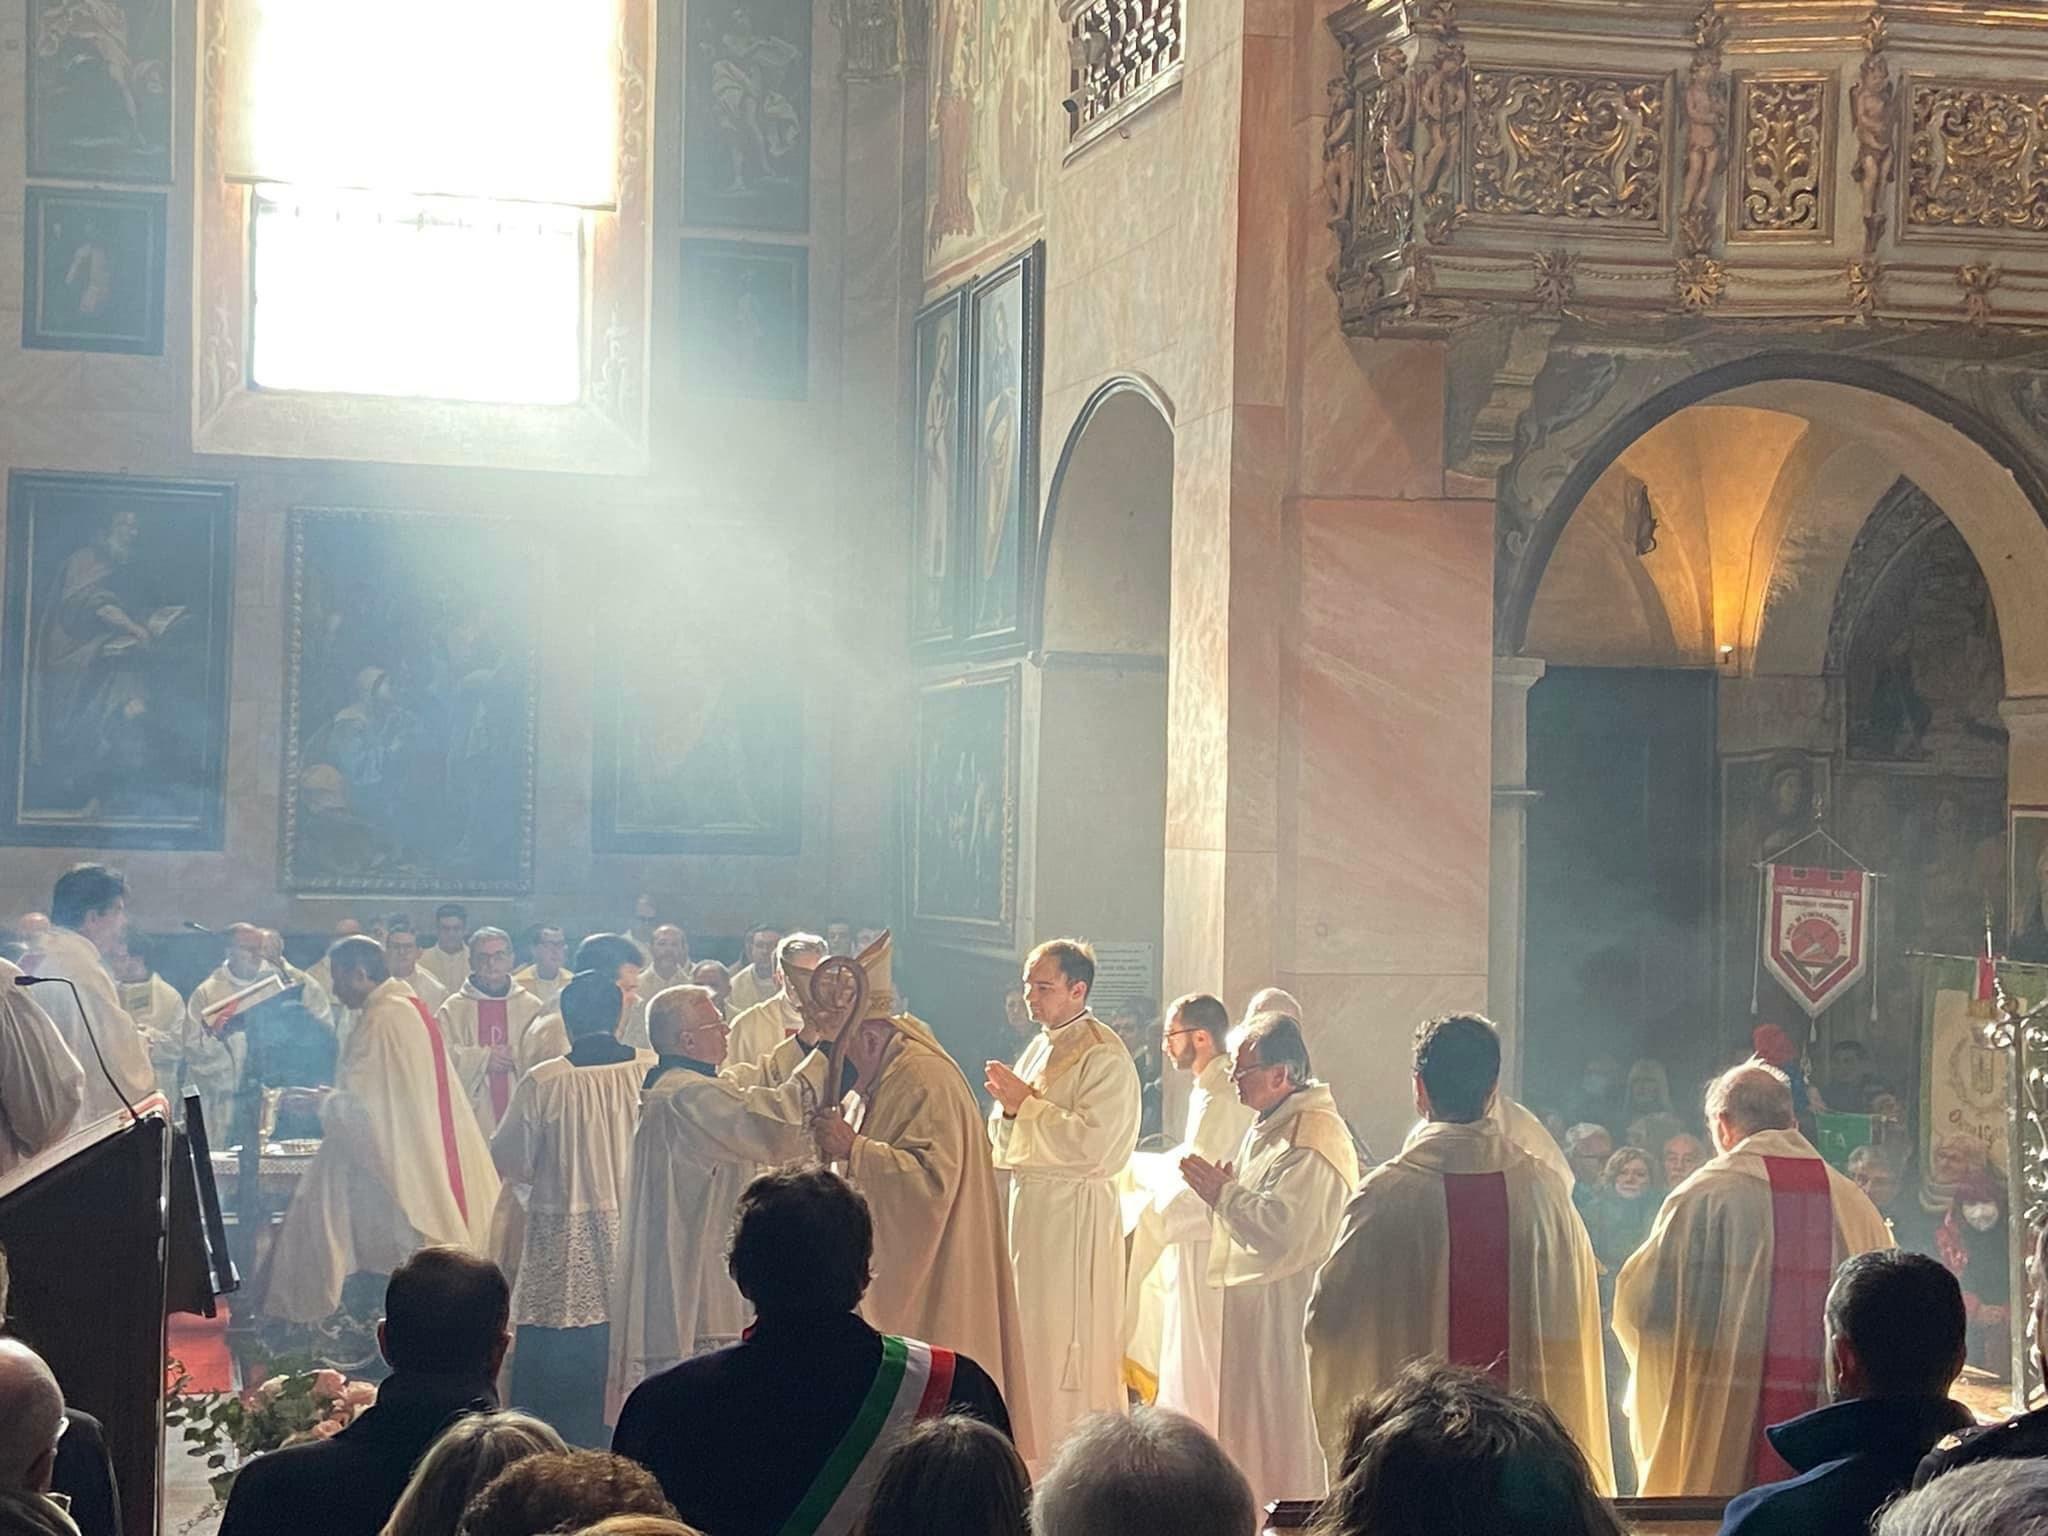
(360, 1394)
(328, 1385)
(327, 1429)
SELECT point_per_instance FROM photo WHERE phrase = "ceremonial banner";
(1963, 1109)
(1816, 931)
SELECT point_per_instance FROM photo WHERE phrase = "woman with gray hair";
(470, 1452)
(1992, 1498)
(1153, 1473)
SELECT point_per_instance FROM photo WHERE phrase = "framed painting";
(100, 93)
(93, 271)
(1004, 315)
(409, 704)
(2026, 867)
(699, 741)
(746, 319)
(747, 115)
(964, 875)
(119, 596)
(938, 455)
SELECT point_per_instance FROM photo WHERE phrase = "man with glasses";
(484, 1022)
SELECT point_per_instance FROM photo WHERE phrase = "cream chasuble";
(758, 1032)
(750, 990)
(1173, 1314)
(546, 988)
(473, 1023)
(1063, 1152)
(450, 969)
(1467, 1247)
(426, 988)
(213, 1062)
(71, 954)
(1274, 1224)
(41, 1082)
(942, 1271)
(701, 1139)
(403, 1163)
(159, 1013)
(1720, 1312)
(545, 1038)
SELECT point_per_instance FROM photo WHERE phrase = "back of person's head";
(592, 1004)
(82, 890)
(469, 1453)
(1153, 1473)
(1444, 1449)
(1272, 1000)
(803, 1243)
(1901, 1317)
(1754, 1096)
(1457, 1058)
(951, 1475)
(604, 953)
(359, 952)
(563, 1491)
(2003, 1497)
(445, 1313)
(639, 1525)
(31, 1416)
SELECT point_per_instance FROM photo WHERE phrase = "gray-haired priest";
(484, 1020)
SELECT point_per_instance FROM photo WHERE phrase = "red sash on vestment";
(446, 1105)
(1476, 1210)
(1802, 1263)
(492, 1029)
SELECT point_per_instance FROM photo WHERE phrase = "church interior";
(1526, 509)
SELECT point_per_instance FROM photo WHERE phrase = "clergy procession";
(594, 1132)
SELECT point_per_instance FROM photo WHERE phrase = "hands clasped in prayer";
(1205, 1178)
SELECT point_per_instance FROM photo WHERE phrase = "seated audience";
(1682, 1156)
(743, 1436)
(444, 1334)
(1619, 1217)
(1154, 1473)
(1588, 1146)
(84, 1473)
(1446, 1451)
(470, 1453)
(2025, 1436)
(562, 1491)
(1994, 1498)
(1895, 1347)
(950, 1475)
(31, 1420)
(1874, 1172)
(1972, 1242)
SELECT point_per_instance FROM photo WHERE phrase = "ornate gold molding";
(1977, 157)
(1784, 170)
(1581, 148)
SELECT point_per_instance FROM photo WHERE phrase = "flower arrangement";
(296, 1404)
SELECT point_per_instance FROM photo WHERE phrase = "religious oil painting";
(93, 271)
(964, 876)
(984, 186)
(100, 89)
(410, 696)
(117, 624)
(2027, 896)
(747, 115)
(745, 319)
(940, 454)
(699, 730)
(1002, 482)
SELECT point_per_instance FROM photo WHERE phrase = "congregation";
(666, 1246)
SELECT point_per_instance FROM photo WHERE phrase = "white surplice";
(547, 988)
(1383, 1298)
(758, 1032)
(1274, 1223)
(159, 1013)
(1173, 1314)
(449, 968)
(42, 1085)
(460, 1024)
(214, 1057)
(122, 1052)
(382, 1185)
(1063, 1152)
(701, 1140)
(545, 1038)
(1692, 1311)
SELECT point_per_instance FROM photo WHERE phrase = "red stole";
(1802, 1263)
(1476, 1212)
(492, 1029)
(446, 1105)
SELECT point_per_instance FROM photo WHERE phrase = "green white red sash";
(914, 1381)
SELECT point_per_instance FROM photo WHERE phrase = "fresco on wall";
(409, 704)
(941, 448)
(984, 174)
(747, 115)
(745, 327)
(965, 849)
(99, 89)
(115, 712)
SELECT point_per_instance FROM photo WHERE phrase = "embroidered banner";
(1816, 931)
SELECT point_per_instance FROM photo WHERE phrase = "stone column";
(1507, 904)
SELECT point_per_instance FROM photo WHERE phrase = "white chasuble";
(750, 990)
(71, 954)
(474, 1024)
(449, 968)
(758, 1032)
(546, 988)
(1063, 1152)
(1721, 1312)
(1464, 1247)
(1274, 1224)
(402, 1162)
(41, 1083)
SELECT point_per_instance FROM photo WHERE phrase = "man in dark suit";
(445, 1333)
(784, 1431)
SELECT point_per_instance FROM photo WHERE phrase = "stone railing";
(1749, 159)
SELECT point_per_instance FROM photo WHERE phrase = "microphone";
(85, 1020)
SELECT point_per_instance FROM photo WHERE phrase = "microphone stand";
(85, 1023)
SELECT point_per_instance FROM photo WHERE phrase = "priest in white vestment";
(567, 1136)
(549, 972)
(214, 1054)
(313, 995)
(89, 920)
(482, 1022)
(1465, 1247)
(402, 950)
(910, 1138)
(402, 1162)
(1173, 1315)
(758, 1032)
(447, 958)
(160, 1014)
(703, 1135)
(41, 1082)
(668, 966)
(1277, 1208)
(1064, 1124)
(1720, 1312)
(756, 981)
(608, 954)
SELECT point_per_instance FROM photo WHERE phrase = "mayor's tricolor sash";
(914, 1381)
